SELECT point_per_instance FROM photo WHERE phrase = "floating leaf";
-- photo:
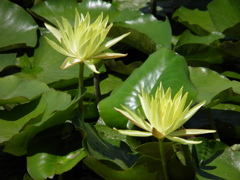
(7, 60)
(216, 160)
(57, 107)
(163, 65)
(17, 90)
(54, 151)
(17, 27)
(228, 18)
(210, 84)
(198, 21)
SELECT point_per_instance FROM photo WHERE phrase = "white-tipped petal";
(182, 141)
(134, 133)
(57, 47)
(191, 132)
(136, 120)
(110, 43)
(109, 55)
(91, 66)
(69, 61)
(54, 31)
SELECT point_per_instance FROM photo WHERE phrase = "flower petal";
(109, 55)
(186, 115)
(54, 31)
(182, 141)
(189, 132)
(91, 66)
(69, 61)
(57, 47)
(134, 133)
(131, 116)
(109, 44)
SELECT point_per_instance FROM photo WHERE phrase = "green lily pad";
(54, 151)
(17, 90)
(11, 122)
(228, 18)
(56, 107)
(198, 21)
(140, 172)
(162, 66)
(118, 153)
(213, 87)
(200, 48)
(150, 40)
(7, 60)
(17, 27)
(216, 160)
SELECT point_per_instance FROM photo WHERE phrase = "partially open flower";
(165, 116)
(83, 42)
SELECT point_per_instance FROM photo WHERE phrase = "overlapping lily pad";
(162, 66)
(16, 30)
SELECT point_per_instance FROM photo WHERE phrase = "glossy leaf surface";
(163, 65)
(56, 108)
(17, 90)
(54, 151)
(213, 158)
(17, 30)
(210, 84)
(226, 20)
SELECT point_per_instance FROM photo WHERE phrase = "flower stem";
(163, 159)
(80, 90)
(97, 87)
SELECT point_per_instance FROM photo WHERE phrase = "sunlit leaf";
(54, 151)
(163, 65)
(198, 21)
(210, 84)
(17, 27)
(57, 107)
(17, 90)
(216, 160)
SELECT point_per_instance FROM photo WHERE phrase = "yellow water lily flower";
(83, 42)
(165, 116)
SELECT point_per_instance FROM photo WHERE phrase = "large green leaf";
(216, 160)
(11, 122)
(17, 90)
(200, 48)
(213, 87)
(54, 151)
(198, 21)
(110, 157)
(17, 27)
(188, 38)
(108, 172)
(57, 107)
(163, 65)
(7, 60)
(156, 36)
(119, 153)
(211, 21)
(228, 18)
